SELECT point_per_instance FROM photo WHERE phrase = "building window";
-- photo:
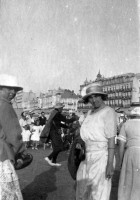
(139, 89)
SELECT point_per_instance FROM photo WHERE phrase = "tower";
(99, 76)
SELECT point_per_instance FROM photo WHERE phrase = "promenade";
(39, 181)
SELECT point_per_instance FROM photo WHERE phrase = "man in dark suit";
(42, 119)
(57, 122)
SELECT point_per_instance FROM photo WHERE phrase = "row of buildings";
(31, 101)
(122, 90)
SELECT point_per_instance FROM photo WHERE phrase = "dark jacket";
(46, 131)
(55, 122)
(10, 131)
(42, 120)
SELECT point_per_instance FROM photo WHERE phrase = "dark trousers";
(53, 156)
(57, 145)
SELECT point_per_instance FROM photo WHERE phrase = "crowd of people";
(97, 130)
(32, 128)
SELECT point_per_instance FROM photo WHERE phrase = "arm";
(67, 121)
(111, 151)
(122, 142)
(121, 152)
(63, 125)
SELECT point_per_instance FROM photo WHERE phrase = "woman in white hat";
(98, 131)
(10, 139)
(129, 151)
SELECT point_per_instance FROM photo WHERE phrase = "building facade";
(26, 101)
(122, 89)
(31, 101)
(65, 96)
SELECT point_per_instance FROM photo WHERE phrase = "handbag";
(76, 155)
(22, 160)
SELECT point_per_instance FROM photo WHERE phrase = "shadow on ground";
(42, 185)
(63, 156)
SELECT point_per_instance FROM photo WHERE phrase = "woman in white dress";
(129, 152)
(98, 132)
(26, 134)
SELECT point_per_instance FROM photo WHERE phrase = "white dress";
(96, 129)
(36, 133)
(26, 135)
(129, 182)
(22, 123)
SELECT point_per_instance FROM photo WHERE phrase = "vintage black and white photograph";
(69, 99)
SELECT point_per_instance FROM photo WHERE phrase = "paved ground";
(39, 181)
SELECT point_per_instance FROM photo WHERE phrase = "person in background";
(35, 137)
(129, 154)
(42, 119)
(73, 131)
(53, 129)
(30, 119)
(82, 118)
(26, 134)
(10, 139)
(23, 121)
(98, 131)
(121, 123)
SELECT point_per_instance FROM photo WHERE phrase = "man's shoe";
(50, 162)
(57, 164)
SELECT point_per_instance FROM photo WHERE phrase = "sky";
(48, 44)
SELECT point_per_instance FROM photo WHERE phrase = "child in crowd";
(26, 135)
(36, 131)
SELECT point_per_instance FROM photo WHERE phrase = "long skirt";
(9, 184)
(129, 183)
(91, 181)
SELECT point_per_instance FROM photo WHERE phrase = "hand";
(109, 171)
(78, 146)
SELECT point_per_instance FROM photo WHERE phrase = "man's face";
(60, 109)
(43, 114)
(95, 100)
(8, 93)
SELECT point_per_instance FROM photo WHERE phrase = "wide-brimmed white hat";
(92, 89)
(59, 105)
(7, 80)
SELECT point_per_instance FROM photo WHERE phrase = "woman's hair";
(103, 97)
(36, 122)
